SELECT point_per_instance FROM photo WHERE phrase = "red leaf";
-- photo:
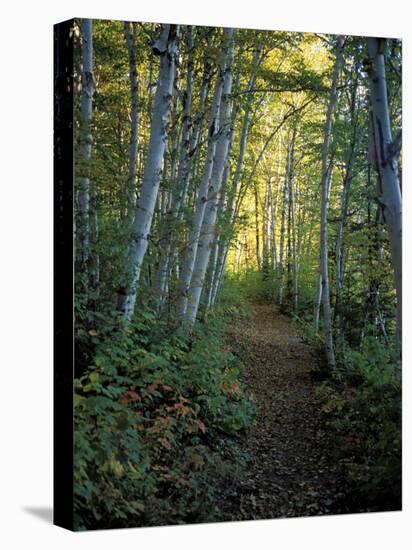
(129, 397)
(202, 427)
(152, 387)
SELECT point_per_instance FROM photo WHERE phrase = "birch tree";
(326, 172)
(85, 145)
(232, 195)
(130, 31)
(293, 227)
(183, 173)
(166, 48)
(202, 196)
(386, 152)
(209, 220)
(283, 231)
(346, 191)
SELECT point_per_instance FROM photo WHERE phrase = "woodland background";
(216, 166)
(35, 383)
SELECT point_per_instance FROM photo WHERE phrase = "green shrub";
(256, 286)
(363, 407)
(154, 413)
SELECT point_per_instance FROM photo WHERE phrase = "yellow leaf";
(94, 377)
(77, 399)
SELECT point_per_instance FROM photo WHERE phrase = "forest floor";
(291, 468)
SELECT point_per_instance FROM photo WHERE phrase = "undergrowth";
(157, 410)
(363, 408)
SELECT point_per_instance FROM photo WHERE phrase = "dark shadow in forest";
(41, 512)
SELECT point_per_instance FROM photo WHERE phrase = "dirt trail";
(291, 470)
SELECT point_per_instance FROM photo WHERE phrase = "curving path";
(291, 470)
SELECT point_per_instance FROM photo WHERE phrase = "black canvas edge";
(63, 355)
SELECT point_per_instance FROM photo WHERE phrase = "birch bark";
(183, 172)
(386, 162)
(325, 186)
(166, 48)
(130, 31)
(282, 233)
(202, 197)
(85, 145)
(246, 125)
(347, 181)
(209, 220)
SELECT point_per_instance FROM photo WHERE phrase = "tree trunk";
(85, 148)
(209, 220)
(295, 292)
(130, 30)
(386, 162)
(325, 186)
(282, 236)
(202, 197)
(257, 231)
(273, 229)
(347, 181)
(166, 47)
(224, 248)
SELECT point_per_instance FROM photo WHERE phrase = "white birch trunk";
(209, 220)
(325, 186)
(213, 274)
(166, 47)
(85, 145)
(246, 124)
(202, 197)
(231, 203)
(130, 30)
(183, 172)
(294, 247)
(282, 234)
(347, 181)
(386, 161)
(318, 303)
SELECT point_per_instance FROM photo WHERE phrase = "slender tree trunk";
(347, 181)
(218, 248)
(318, 303)
(273, 223)
(292, 251)
(85, 148)
(94, 259)
(130, 31)
(213, 267)
(209, 220)
(202, 197)
(265, 231)
(166, 47)
(295, 291)
(325, 186)
(257, 232)
(386, 162)
(233, 193)
(282, 233)
(190, 141)
(246, 124)
(183, 175)
(340, 251)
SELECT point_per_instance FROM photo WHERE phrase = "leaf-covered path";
(291, 470)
